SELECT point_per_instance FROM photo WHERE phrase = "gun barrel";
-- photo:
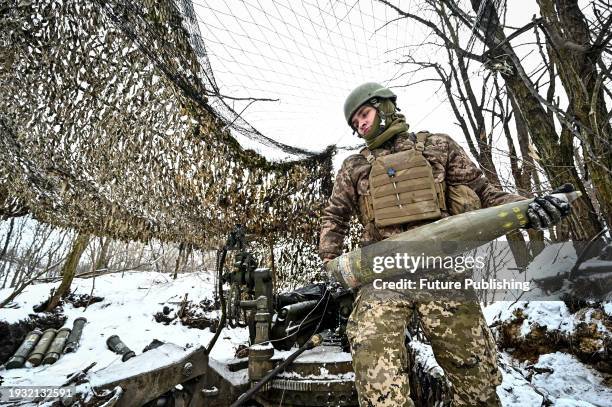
(297, 310)
(445, 237)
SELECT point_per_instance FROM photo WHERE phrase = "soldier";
(444, 182)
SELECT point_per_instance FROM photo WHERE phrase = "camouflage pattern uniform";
(460, 338)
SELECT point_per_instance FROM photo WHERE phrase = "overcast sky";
(310, 54)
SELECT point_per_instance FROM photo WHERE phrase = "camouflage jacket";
(449, 163)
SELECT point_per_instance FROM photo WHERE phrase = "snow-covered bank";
(130, 301)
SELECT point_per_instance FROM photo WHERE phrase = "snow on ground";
(130, 301)
(564, 380)
(559, 377)
(515, 390)
(571, 380)
(548, 312)
(608, 308)
(554, 315)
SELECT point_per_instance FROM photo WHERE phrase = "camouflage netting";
(106, 127)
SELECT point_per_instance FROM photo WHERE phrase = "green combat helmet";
(362, 94)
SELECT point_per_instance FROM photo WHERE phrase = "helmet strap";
(375, 102)
(387, 124)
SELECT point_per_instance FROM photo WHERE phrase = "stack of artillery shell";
(42, 346)
(57, 346)
(72, 342)
(47, 347)
(19, 358)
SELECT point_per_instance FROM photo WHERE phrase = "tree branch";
(602, 40)
(436, 30)
(26, 283)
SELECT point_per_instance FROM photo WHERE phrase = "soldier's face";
(363, 119)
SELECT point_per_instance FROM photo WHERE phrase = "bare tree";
(29, 247)
(473, 101)
(555, 149)
(577, 48)
(517, 98)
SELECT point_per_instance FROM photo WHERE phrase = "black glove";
(548, 210)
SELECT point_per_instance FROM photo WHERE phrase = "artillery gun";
(280, 322)
(312, 318)
(295, 316)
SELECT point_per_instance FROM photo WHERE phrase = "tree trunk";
(528, 167)
(576, 59)
(19, 271)
(528, 173)
(5, 248)
(178, 260)
(13, 250)
(8, 238)
(69, 270)
(541, 127)
(102, 260)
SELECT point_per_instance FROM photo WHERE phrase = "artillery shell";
(115, 344)
(72, 342)
(55, 350)
(445, 237)
(19, 358)
(41, 347)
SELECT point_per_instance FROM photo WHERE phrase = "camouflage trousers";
(460, 338)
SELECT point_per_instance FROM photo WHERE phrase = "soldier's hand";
(548, 210)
